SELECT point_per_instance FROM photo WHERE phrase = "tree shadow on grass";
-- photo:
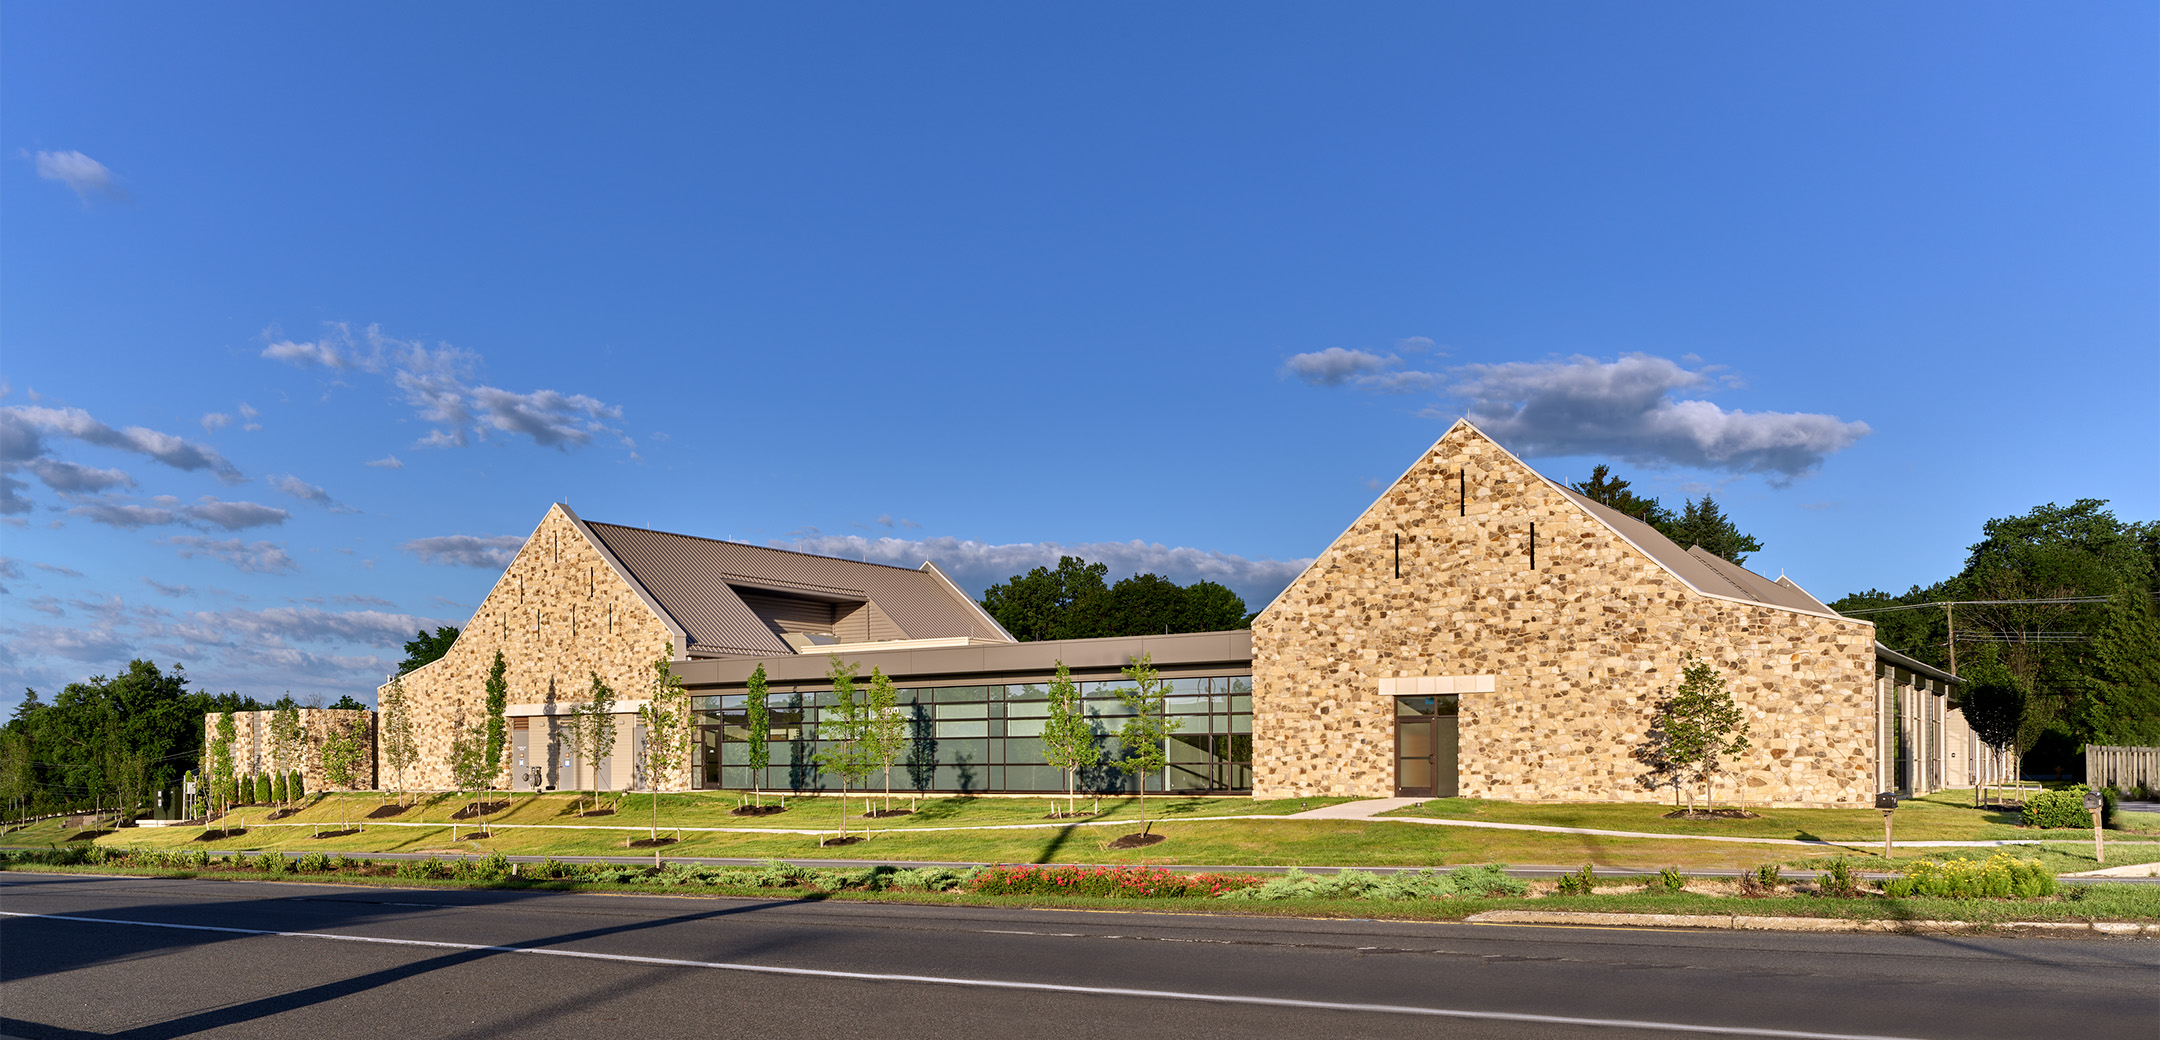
(1057, 841)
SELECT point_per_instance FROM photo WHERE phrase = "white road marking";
(1039, 987)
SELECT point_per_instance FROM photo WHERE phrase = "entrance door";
(1425, 744)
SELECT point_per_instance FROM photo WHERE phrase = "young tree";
(498, 730)
(758, 720)
(842, 728)
(287, 741)
(1702, 725)
(593, 724)
(666, 715)
(344, 750)
(279, 792)
(1067, 739)
(297, 785)
(262, 789)
(469, 768)
(887, 728)
(220, 766)
(399, 748)
(1994, 706)
(1141, 740)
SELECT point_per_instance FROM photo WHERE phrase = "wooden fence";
(2123, 768)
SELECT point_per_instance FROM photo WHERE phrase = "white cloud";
(307, 492)
(54, 568)
(439, 385)
(127, 516)
(1626, 409)
(387, 462)
(976, 565)
(168, 590)
(491, 552)
(235, 516)
(11, 500)
(1364, 370)
(215, 421)
(87, 176)
(249, 557)
(74, 478)
(22, 431)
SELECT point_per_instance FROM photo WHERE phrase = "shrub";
(313, 863)
(1998, 877)
(1487, 880)
(1667, 880)
(1768, 876)
(2066, 809)
(298, 785)
(421, 869)
(272, 863)
(492, 867)
(278, 788)
(1838, 880)
(262, 788)
(1580, 883)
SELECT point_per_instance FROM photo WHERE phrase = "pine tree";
(2121, 705)
(1702, 523)
(220, 766)
(497, 698)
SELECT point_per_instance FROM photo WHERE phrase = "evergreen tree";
(288, 741)
(1609, 490)
(2122, 701)
(758, 721)
(497, 690)
(425, 649)
(220, 765)
(1702, 523)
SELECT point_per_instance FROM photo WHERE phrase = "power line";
(1977, 603)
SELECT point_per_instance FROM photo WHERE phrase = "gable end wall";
(1580, 650)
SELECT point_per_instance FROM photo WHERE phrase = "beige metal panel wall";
(791, 613)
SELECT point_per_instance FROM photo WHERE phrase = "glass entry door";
(1425, 744)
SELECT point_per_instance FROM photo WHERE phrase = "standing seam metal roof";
(694, 579)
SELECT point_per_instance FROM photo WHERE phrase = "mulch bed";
(287, 811)
(217, 835)
(1068, 816)
(335, 834)
(475, 836)
(384, 812)
(482, 809)
(1136, 841)
(651, 843)
(757, 810)
(597, 812)
(1712, 814)
(87, 835)
(852, 839)
(885, 813)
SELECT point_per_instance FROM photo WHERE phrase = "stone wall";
(558, 614)
(1579, 647)
(254, 751)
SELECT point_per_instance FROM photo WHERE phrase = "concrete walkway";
(1358, 810)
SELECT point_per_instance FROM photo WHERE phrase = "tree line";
(2047, 677)
(1075, 601)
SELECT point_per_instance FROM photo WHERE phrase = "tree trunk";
(1069, 809)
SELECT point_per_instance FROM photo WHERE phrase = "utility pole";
(1950, 616)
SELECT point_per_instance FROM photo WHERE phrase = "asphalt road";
(430, 963)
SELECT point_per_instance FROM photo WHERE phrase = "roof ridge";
(761, 548)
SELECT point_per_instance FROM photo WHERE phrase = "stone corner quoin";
(1560, 658)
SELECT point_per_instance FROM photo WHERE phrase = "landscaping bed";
(1409, 895)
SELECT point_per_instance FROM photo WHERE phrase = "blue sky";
(306, 316)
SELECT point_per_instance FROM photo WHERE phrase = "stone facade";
(255, 752)
(1579, 641)
(559, 614)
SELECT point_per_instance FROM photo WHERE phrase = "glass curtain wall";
(980, 739)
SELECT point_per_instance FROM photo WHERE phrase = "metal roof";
(694, 580)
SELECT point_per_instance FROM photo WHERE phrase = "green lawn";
(1263, 840)
(1942, 816)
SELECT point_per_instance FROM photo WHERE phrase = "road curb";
(1743, 923)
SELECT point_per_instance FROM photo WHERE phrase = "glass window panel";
(1239, 723)
(735, 754)
(997, 727)
(1024, 750)
(1414, 740)
(1029, 692)
(1186, 705)
(961, 711)
(1024, 727)
(1104, 690)
(1187, 687)
(1027, 709)
(1415, 772)
(1035, 778)
(1107, 710)
(961, 694)
(1239, 684)
(963, 752)
(1241, 706)
(947, 730)
(1450, 705)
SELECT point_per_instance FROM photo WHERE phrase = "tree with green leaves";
(1702, 725)
(666, 715)
(2121, 702)
(400, 750)
(497, 701)
(1044, 603)
(1994, 706)
(348, 702)
(1702, 523)
(844, 729)
(262, 789)
(288, 741)
(279, 793)
(220, 764)
(297, 785)
(425, 649)
(17, 785)
(1143, 740)
(469, 769)
(593, 724)
(757, 720)
(1606, 489)
(344, 755)
(887, 733)
(1068, 740)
